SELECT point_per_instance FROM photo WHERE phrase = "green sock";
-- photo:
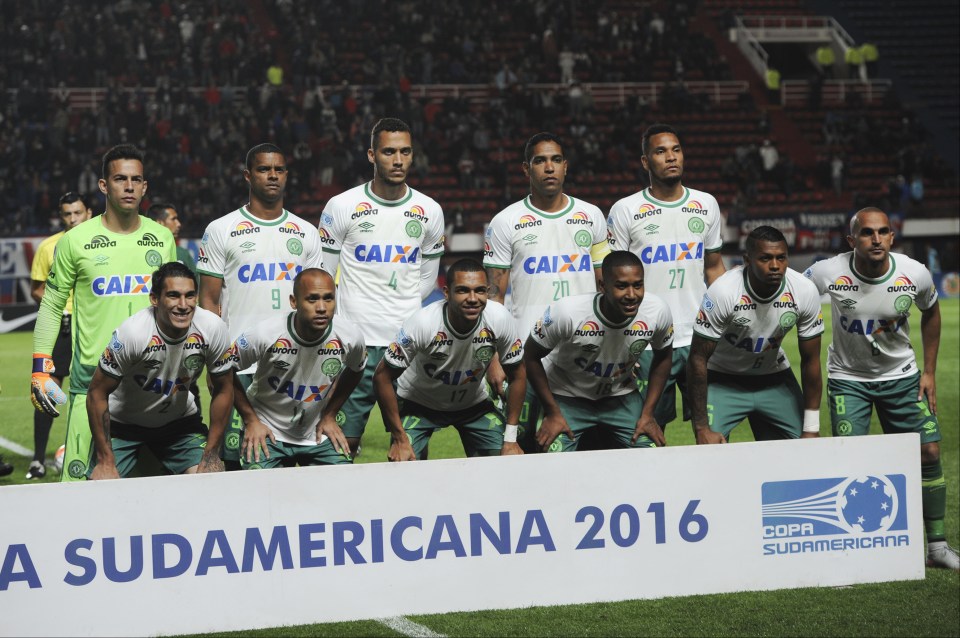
(933, 488)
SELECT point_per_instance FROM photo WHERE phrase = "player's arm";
(554, 424)
(221, 404)
(255, 432)
(811, 381)
(659, 371)
(36, 290)
(497, 281)
(517, 389)
(383, 379)
(713, 267)
(328, 425)
(930, 337)
(211, 289)
(98, 414)
(701, 349)
(429, 271)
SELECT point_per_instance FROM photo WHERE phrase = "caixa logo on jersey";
(121, 285)
(538, 264)
(834, 514)
(387, 253)
(683, 251)
(100, 241)
(272, 271)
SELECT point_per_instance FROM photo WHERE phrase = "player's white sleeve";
(334, 241)
(712, 316)
(429, 270)
(810, 314)
(401, 353)
(355, 358)
(618, 227)
(498, 251)
(553, 328)
(313, 249)
(926, 290)
(221, 355)
(249, 348)
(599, 248)
(212, 249)
(509, 339)
(713, 239)
(815, 274)
(663, 335)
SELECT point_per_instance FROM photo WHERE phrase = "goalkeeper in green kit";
(107, 261)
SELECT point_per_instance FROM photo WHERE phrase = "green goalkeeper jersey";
(110, 276)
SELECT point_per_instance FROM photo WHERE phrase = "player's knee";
(930, 453)
(354, 444)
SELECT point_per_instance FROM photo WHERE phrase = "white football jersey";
(294, 378)
(871, 332)
(156, 372)
(749, 328)
(257, 261)
(671, 238)
(591, 357)
(380, 246)
(550, 255)
(443, 369)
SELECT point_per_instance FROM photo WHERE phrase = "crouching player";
(140, 392)
(580, 359)
(439, 360)
(307, 366)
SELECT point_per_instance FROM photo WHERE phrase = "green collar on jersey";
(680, 202)
(299, 340)
(263, 222)
(456, 333)
(755, 296)
(868, 280)
(543, 213)
(603, 318)
(387, 202)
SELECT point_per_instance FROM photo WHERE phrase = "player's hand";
(809, 435)
(45, 394)
(928, 390)
(210, 464)
(104, 471)
(255, 435)
(552, 427)
(329, 427)
(511, 449)
(706, 436)
(649, 426)
(400, 450)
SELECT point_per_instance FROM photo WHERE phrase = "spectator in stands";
(770, 158)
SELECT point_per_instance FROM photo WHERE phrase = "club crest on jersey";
(100, 241)
(745, 303)
(527, 221)
(647, 210)
(387, 253)
(121, 285)
(245, 228)
(589, 328)
(902, 284)
(194, 362)
(580, 218)
(535, 265)
(844, 283)
(785, 301)
(156, 344)
(682, 251)
(291, 229)
(272, 271)
(363, 209)
(149, 239)
(694, 207)
(283, 346)
(195, 342)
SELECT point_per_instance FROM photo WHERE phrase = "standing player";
(307, 365)
(251, 256)
(737, 368)
(871, 362)
(387, 240)
(73, 211)
(581, 355)
(439, 359)
(107, 261)
(166, 215)
(676, 231)
(139, 395)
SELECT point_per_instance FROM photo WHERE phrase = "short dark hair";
(119, 152)
(536, 139)
(388, 124)
(763, 233)
(618, 259)
(158, 212)
(260, 149)
(656, 129)
(307, 271)
(70, 197)
(168, 270)
(463, 265)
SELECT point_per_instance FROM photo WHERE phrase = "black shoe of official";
(5, 468)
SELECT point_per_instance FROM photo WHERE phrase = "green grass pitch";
(930, 607)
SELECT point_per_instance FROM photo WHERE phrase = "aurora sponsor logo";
(245, 228)
(647, 210)
(364, 209)
(527, 221)
(100, 241)
(283, 346)
(442, 339)
(156, 344)
(745, 303)
(149, 239)
(580, 218)
(638, 329)
(291, 229)
(516, 350)
(334, 347)
(844, 283)
(484, 336)
(325, 238)
(589, 328)
(195, 342)
(902, 284)
(694, 207)
(702, 319)
(121, 285)
(785, 301)
(418, 213)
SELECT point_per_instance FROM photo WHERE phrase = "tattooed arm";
(98, 415)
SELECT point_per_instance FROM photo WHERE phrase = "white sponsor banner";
(264, 549)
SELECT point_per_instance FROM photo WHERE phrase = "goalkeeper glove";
(46, 395)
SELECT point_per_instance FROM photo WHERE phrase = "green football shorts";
(480, 427)
(289, 455)
(178, 445)
(852, 402)
(773, 403)
(666, 410)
